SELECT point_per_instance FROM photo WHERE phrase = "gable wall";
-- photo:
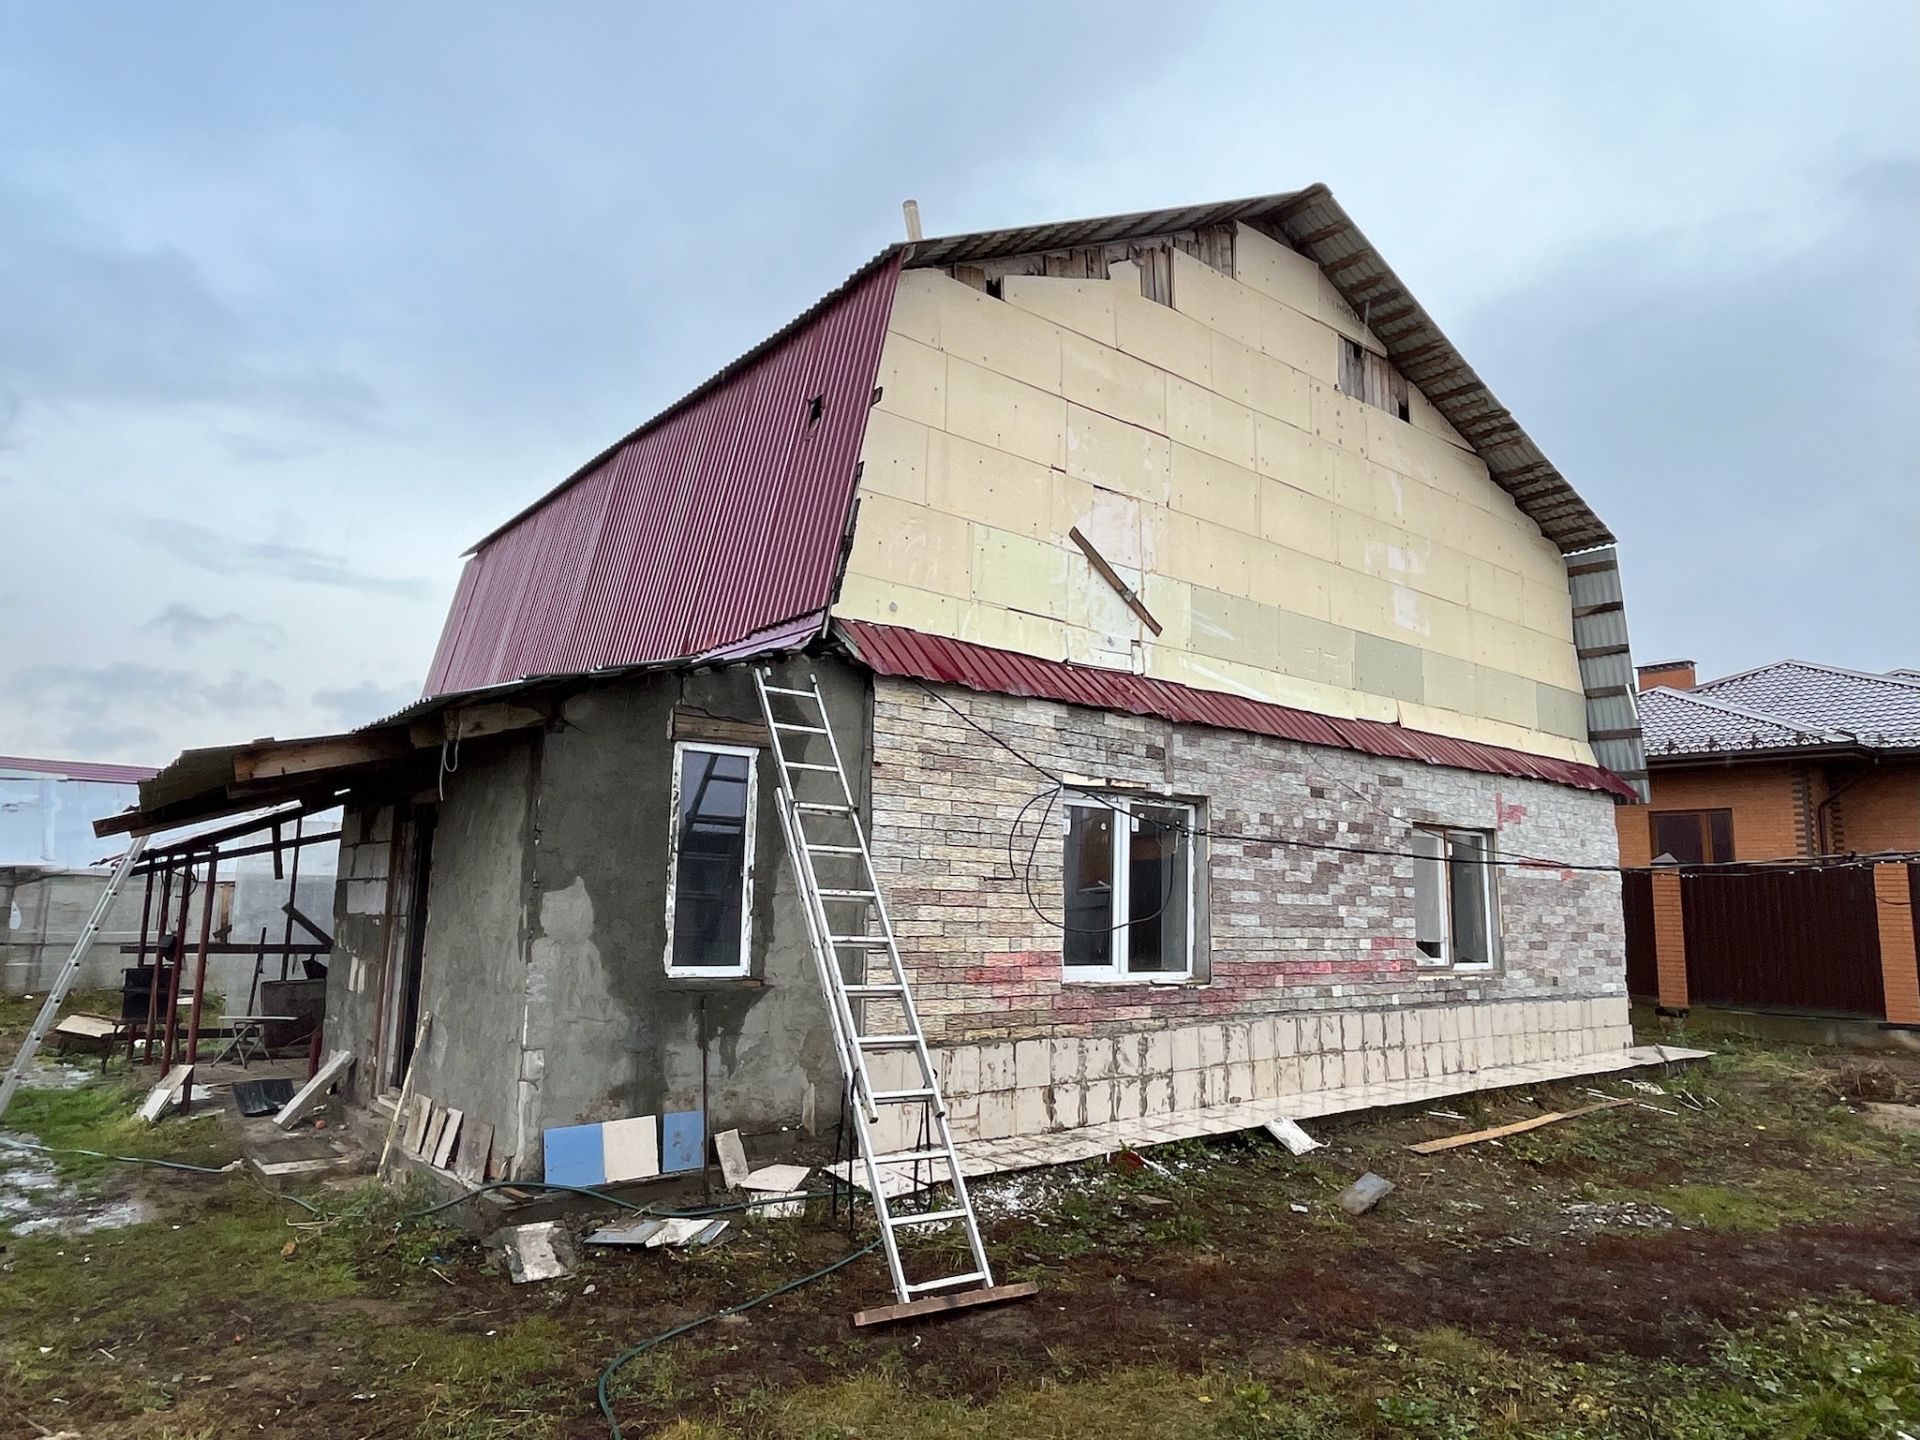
(1296, 545)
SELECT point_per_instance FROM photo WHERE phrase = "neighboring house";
(1791, 761)
(1788, 760)
(1196, 510)
(48, 880)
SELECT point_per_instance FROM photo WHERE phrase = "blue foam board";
(575, 1156)
(683, 1141)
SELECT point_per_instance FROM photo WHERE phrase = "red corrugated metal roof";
(890, 650)
(105, 774)
(719, 519)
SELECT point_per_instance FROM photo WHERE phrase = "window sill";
(693, 978)
(1160, 981)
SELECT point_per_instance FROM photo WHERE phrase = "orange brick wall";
(1899, 968)
(1767, 809)
(1669, 940)
(1881, 811)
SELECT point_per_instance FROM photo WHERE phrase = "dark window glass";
(1089, 885)
(710, 873)
(1159, 891)
(1679, 833)
(1470, 878)
(1720, 835)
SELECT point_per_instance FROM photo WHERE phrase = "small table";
(249, 1040)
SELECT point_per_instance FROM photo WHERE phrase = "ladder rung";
(834, 849)
(886, 1042)
(898, 1097)
(823, 807)
(905, 1157)
(787, 690)
(871, 942)
(861, 992)
(802, 729)
(847, 894)
(930, 1217)
(946, 1283)
(803, 765)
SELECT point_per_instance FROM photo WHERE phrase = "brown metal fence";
(1805, 940)
(1643, 970)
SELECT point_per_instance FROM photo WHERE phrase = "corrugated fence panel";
(720, 519)
(1643, 967)
(1805, 940)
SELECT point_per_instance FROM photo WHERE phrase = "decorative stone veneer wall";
(1027, 1087)
(1303, 948)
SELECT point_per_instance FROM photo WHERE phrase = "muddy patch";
(35, 1200)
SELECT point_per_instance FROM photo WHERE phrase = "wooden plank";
(476, 1147)
(310, 1095)
(164, 1094)
(1112, 577)
(941, 1304)
(692, 724)
(299, 757)
(430, 1137)
(1453, 1142)
(449, 1137)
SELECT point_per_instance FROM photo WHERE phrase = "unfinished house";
(1233, 697)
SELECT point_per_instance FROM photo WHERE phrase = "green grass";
(99, 1116)
(1848, 1371)
(469, 1384)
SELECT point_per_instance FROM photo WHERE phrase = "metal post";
(159, 964)
(200, 976)
(293, 889)
(139, 961)
(178, 961)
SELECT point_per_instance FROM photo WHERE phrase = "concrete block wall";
(1296, 544)
(1287, 930)
(1004, 1088)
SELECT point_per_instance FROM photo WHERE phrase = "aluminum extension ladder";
(57, 995)
(847, 922)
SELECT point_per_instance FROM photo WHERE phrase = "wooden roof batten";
(1313, 223)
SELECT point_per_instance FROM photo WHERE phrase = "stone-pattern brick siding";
(1287, 930)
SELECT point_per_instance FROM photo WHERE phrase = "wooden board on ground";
(1452, 1142)
(475, 1148)
(315, 1090)
(436, 1127)
(164, 1094)
(81, 1029)
(940, 1304)
(449, 1137)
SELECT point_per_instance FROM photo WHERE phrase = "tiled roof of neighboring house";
(1788, 705)
(101, 773)
(892, 650)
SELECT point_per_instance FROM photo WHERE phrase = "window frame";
(681, 749)
(1703, 818)
(1116, 971)
(1445, 959)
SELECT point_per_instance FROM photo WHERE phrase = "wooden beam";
(941, 1304)
(1454, 1142)
(691, 724)
(302, 757)
(470, 722)
(1112, 577)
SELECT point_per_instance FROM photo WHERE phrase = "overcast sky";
(298, 302)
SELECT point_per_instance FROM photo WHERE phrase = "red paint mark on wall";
(1505, 813)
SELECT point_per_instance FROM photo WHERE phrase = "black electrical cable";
(1527, 862)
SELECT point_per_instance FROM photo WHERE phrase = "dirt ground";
(1735, 1254)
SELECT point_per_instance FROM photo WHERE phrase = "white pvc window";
(1128, 878)
(1455, 913)
(710, 860)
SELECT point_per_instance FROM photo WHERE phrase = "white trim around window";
(1107, 831)
(1456, 908)
(719, 813)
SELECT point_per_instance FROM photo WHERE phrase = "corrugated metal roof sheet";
(91, 770)
(721, 518)
(1314, 224)
(891, 650)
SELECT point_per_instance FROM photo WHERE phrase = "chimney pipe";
(1674, 674)
(911, 209)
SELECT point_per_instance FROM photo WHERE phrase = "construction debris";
(733, 1158)
(1452, 1142)
(314, 1092)
(1365, 1193)
(541, 1251)
(163, 1095)
(782, 1178)
(1297, 1141)
(654, 1233)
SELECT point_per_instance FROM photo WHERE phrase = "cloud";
(133, 687)
(1736, 402)
(114, 742)
(90, 318)
(188, 627)
(367, 701)
(207, 549)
